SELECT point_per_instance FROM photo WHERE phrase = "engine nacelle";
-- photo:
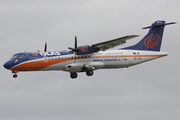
(75, 67)
(86, 49)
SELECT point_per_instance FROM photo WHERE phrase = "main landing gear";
(74, 75)
(89, 72)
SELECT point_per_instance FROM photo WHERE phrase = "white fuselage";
(102, 60)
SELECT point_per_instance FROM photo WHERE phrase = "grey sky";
(143, 92)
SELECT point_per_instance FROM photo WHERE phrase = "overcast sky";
(149, 91)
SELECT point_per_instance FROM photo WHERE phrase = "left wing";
(112, 43)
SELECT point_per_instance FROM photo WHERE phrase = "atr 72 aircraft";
(88, 58)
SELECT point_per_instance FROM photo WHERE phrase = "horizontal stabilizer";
(160, 25)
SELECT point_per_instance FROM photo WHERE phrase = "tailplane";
(152, 41)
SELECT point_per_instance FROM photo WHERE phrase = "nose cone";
(8, 64)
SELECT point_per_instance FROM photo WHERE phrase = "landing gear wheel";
(89, 72)
(15, 76)
(73, 75)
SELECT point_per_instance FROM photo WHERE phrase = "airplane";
(88, 58)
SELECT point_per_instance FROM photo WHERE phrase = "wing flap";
(113, 43)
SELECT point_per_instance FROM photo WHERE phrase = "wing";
(112, 43)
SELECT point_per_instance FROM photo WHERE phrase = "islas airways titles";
(88, 58)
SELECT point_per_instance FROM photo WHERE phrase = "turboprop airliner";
(88, 58)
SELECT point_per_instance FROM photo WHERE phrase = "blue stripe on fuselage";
(32, 56)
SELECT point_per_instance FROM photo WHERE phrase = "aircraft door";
(130, 58)
(45, 59)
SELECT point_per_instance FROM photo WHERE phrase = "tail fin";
(152, 41)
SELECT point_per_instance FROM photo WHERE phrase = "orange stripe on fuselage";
(148, 55)
(38, 65)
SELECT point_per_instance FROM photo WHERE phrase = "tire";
(89, 72)
(15, 76)
(73, 75)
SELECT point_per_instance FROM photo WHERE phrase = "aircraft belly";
(116, 64)
(62, 65)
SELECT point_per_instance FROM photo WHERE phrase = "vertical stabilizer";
(152, 41)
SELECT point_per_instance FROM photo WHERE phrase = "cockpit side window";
(21, 56)
(14, 57)
(18, 57)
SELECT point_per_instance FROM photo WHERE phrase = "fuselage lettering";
(49, 53)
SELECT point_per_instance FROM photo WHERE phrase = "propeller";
(75, 49)
(45, 48)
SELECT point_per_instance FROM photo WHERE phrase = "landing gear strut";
(15, 74)
(73, 75)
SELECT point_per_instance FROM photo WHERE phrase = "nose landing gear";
(15, 74)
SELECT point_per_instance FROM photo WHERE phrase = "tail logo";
(151, 41)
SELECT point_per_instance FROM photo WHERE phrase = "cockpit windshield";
(18, 57)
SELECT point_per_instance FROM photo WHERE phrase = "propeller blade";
(45, 48)
(75, 42)
(75, 49)
(70, 48)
